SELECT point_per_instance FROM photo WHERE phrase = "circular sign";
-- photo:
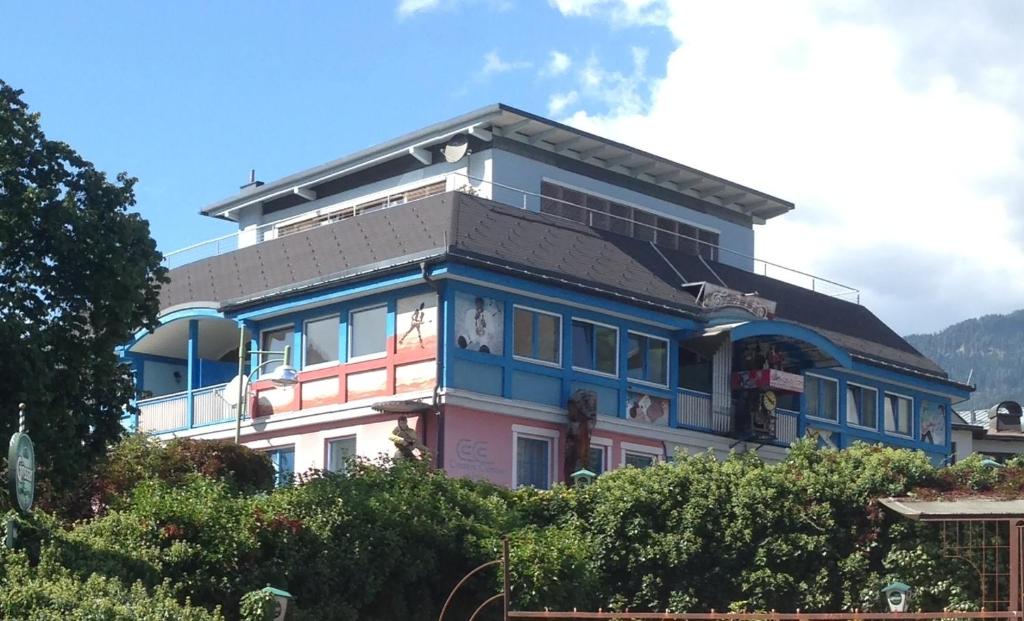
(21, 471)
(769, 400)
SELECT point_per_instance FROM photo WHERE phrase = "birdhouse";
(583, 478)
(281, 600)
(897, 595)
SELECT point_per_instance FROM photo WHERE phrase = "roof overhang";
(971, 508)
(536, 131)
(812, 346)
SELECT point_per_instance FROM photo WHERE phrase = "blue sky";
(188, 96)
(897, 128)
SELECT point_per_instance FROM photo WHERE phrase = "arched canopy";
(216, 335)
(811, 345)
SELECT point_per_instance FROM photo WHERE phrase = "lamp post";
(284, 375)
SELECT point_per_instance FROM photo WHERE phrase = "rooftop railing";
(232, 241)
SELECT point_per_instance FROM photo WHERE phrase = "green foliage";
(257, 605)
(79, 274)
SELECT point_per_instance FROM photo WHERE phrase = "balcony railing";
(232, 241)
(695, 412)
(170, 412)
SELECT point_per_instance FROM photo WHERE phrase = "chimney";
(1005, 417)
(253, 184)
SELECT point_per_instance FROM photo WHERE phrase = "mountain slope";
(993, 346)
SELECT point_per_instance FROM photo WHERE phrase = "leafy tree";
(79, 273)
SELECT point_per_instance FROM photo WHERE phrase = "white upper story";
(522, 160)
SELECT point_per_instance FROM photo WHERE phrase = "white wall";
(158, 377)
(524, 173)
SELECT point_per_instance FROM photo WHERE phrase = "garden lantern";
(897, 595)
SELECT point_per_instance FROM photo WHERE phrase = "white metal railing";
(164, 412)
(694, 409)
(722, 422)
(209, 406)
(786, 426)
(230, 242)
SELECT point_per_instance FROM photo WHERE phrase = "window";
(604, 214)
(861, 406)
(340, 452)
(596, 459)
(694, 370)
(595, 347)
(822, 397)
(638, 460)
(274, 340)
(533, 462)
(320, 341)
(537, 335)
(648, 358)
(367, 332)
(899, 414)
(283, 460)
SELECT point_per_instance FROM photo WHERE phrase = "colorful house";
(533, 299)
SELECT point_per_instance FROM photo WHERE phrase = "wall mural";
(647, 408)
(823, 438)
(416, 323)
(480, 323)
(933, 423)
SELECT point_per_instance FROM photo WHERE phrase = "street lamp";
(284, 375)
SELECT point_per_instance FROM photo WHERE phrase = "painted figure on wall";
(407, 441)
(481, 326)
(416, 323)
(582, 408)
(648, 409)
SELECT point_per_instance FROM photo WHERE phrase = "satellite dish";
(231, 390)
(455, 149)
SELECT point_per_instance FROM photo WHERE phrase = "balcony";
(170, 412)
(695, 412)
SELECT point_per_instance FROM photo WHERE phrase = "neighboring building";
(491, 267)
(995, 432)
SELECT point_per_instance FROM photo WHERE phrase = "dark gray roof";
(537, 246)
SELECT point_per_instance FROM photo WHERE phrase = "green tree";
(79, 273)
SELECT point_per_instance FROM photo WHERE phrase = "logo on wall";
(21, 466)
(480, 324)
(716, 298)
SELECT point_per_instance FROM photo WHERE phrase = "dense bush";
(388, 541)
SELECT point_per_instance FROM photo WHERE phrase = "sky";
(896, 127)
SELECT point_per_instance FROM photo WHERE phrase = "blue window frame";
(899, 414)
(648, 358)
(595, 347)
(283, 460)
(537, 335)
(821, 397)
(533, 462)
(861, 406)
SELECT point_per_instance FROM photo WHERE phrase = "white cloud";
(898, 163)
(620, 12)
(411, 7)
(493, 63)
(558, 63)
(558, 102)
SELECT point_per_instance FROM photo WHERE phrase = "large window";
(694, 370)
(861, 406)
(638, 460)
(899, 414)
(533, 462)
(367, 332)
(595, 347)
(340, 452)
(596, 459)
(274, 341)
(648, 358)
(537, 335)
(608, 215)
(320, 341)
(283, 460)
(821, 396)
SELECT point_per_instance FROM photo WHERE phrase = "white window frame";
(605, 444)
(863, 387)
(837, 420)
(351, 326)
(550, 436)
(668, 356)
(259, 345)
(640, 449)
(329, 363)
(618, 348)
(909, 434)
(561, 320)
(327, 448)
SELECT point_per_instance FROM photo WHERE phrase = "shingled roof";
(460, 227)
